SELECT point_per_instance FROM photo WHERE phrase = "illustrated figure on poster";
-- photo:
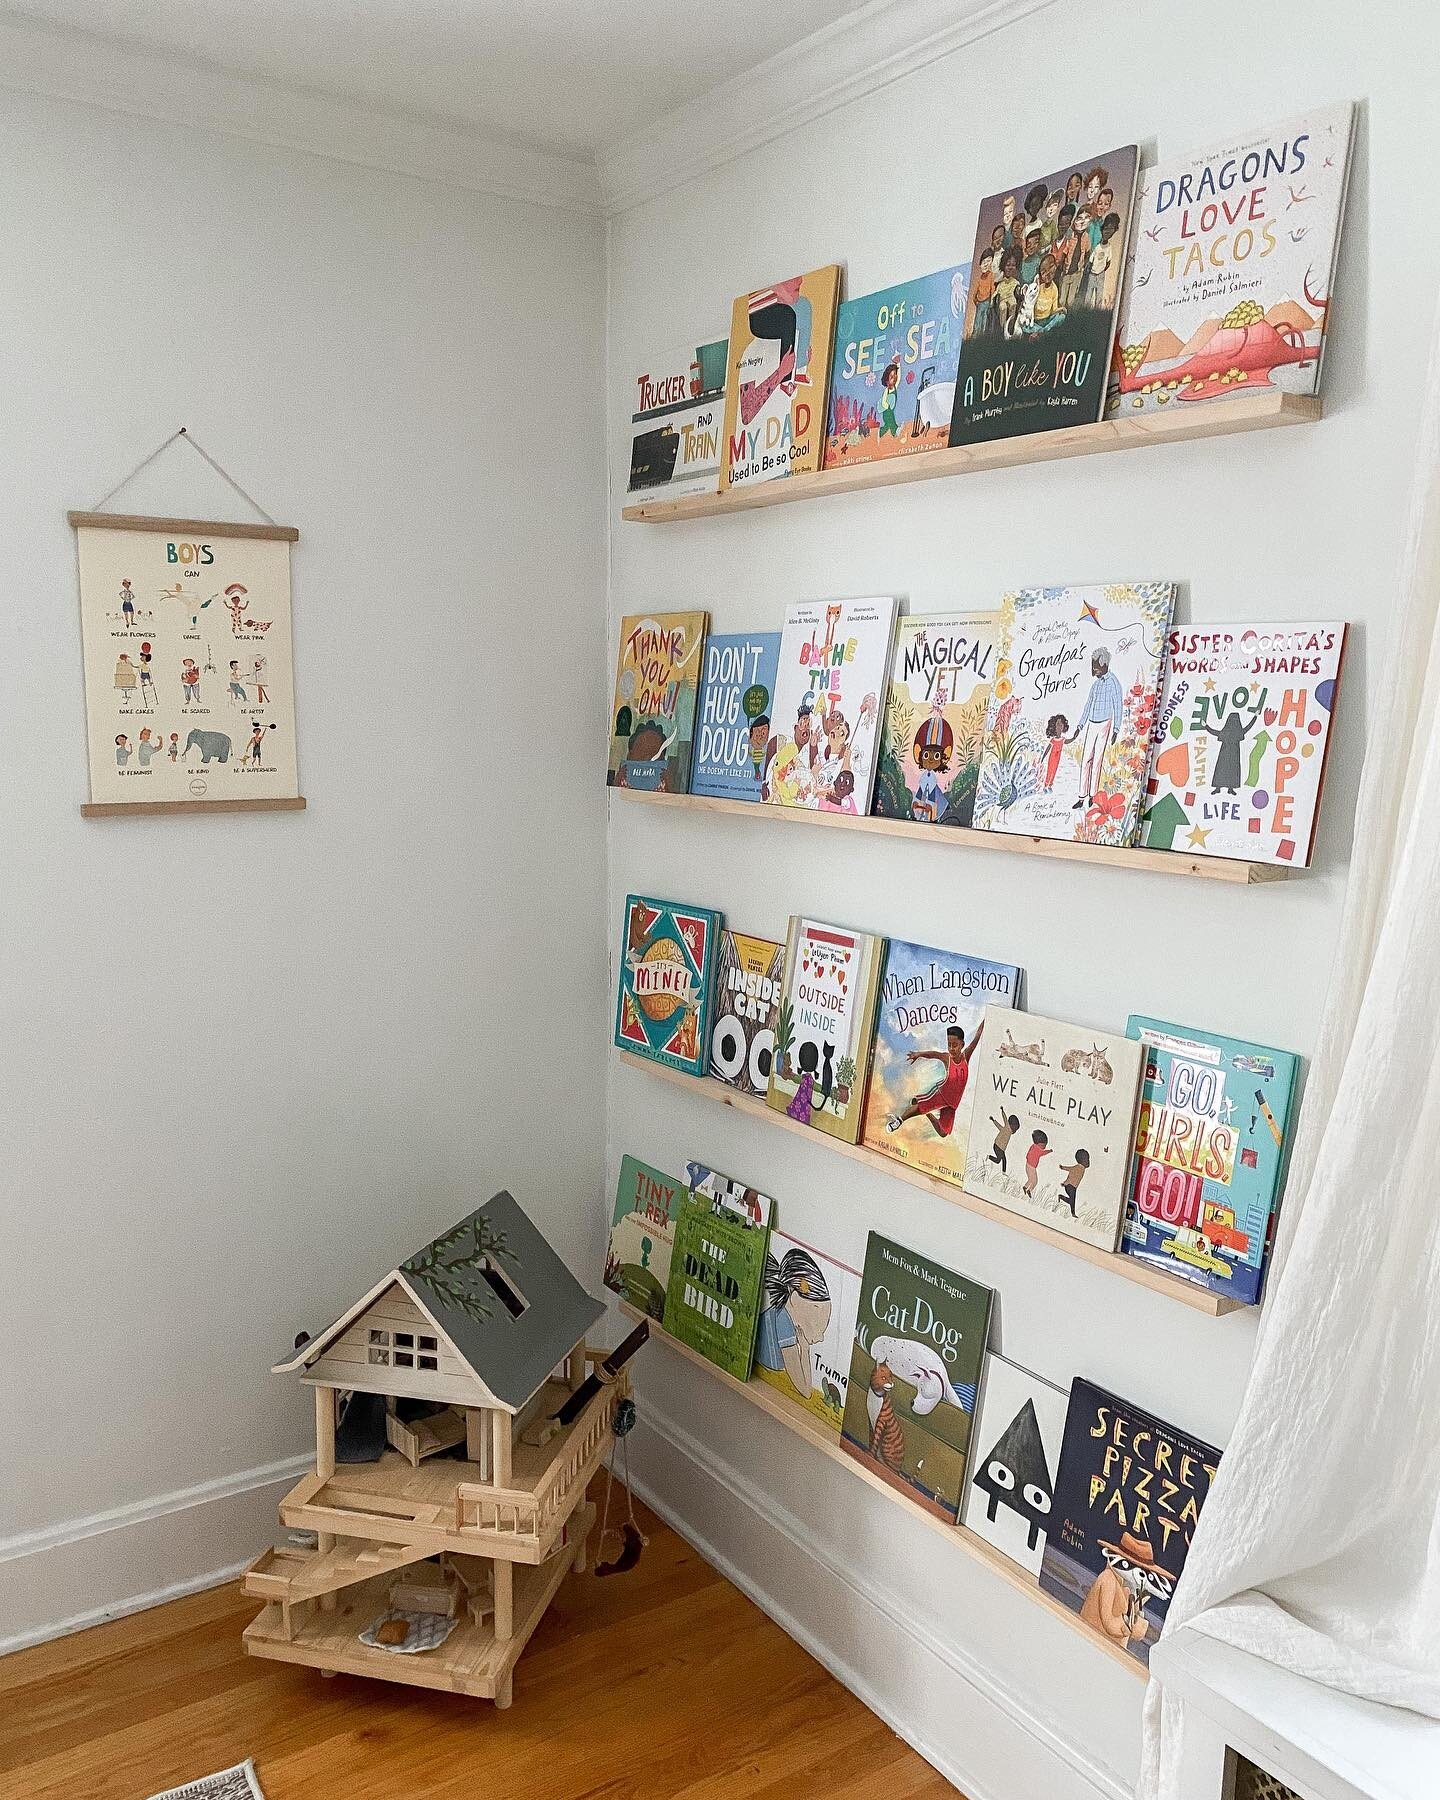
(1071, 1175)
(122, 751)
(235, 602)
(1006, 1125)
(252, 749)
(127, 602)
(147, 747)
(1232, 734)
(1104, 710)
(174, 746)
(258, 668)
(126, 678)
(940, 1103)
(189, 682)
(1034, 1156)
(147, 676)
(796, 1316)
(237, 687)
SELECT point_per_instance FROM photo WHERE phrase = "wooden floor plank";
(661, 1684)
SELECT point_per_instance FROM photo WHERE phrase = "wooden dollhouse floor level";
(470, 1661)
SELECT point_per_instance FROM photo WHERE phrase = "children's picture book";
(778, 377)
(717, 1280)
(807, 1325)
(667, 982)
(637, 1263)
(920, 1337)
(1018, 1433)
(737, 692)
(657, 675)
(1054, 1123)
(749, 973)
(1127, 1498)
(934, 722)
(1228, 282)
(746, 1205)
(1067, 737)
(825, 723)
(892, 387)
(825, 1025)
(1211, 1146)
(1044, 289)
(1241, 739)
(675, 427)
(928, 1022)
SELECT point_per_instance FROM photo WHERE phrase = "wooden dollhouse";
(488, 1325)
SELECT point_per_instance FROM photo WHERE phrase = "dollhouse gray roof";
(497, 1291)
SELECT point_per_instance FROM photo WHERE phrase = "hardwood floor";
(663, 1682)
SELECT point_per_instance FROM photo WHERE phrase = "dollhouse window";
(404, 1359)
(504, 1289)
(427, 1362)
(379, 1355)
(429, 1343)
(404, 1340)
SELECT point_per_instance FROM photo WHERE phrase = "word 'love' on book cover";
(920, 1337)
(1210, 1151)
(834, 659)
(1054, 1123)
(1127, 1500)
(749, 974)
(1044, 288)
(652, 726)
(1018, 1434)
(1067, 739)
(642, 1234)
(679, 414)
(928, 1022)
(935, 710)
(824, 1028)
(736, 696)
(1241, 741)
(807, 1324)
(667, 987)
(892, 388)
(1227, 287)
(717, 1277)
(778, 377)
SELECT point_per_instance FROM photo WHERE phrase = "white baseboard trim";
(1018, 1711)
(80, 1572)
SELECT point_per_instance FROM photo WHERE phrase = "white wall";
(247, 1062)
(1295, 524)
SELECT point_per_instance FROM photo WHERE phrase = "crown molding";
(856, 56)
(94, 71)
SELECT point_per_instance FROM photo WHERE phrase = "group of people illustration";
(818, 764)
(150, 744)
(135, 681)
(1071, 1173)
(1058, 253)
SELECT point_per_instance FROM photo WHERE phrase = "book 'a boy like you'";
(824, 1029)
(652, 724)
(1211, 1145)
(920, 1337)
(935, 710)
(667, 982)
(1228, 285)
(1044, 289)
(829, 690)
(892, 388)
(778, 377)
(642, 1235)
(737, 693)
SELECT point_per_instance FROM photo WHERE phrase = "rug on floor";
(238, 1783)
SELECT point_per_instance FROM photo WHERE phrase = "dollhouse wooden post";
(500, 1442)
(501, 1427)
(575, 1367)
(325, 1466)
(474, 1434)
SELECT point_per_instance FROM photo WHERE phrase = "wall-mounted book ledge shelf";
(806, 1425)
(955, 837)
(1128, 1268)
(1261, 410)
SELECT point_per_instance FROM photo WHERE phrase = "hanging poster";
(189, 690)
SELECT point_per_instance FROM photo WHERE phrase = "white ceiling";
(571, 76)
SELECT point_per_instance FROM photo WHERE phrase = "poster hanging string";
(224, 474)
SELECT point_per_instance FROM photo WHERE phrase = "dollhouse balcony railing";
(530, 1515)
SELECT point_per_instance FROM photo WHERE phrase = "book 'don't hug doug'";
(1044, 288)
(807, 1325)
(737, 691)
(824, 1026)
(717, 1279)
(920, 1337)
(1127, 1500)
(1018, 1433)
(642, 1235)
(1067, 738)
(1241, 741)
(778, 377)
(657, 674)
(934, 724)
(749, 973)
(829, 689)
(1053, 1123)
(929, 1018)
(1210, 1152)
(892, 388)
(1228, 283)
(667, 986)
(675, 429)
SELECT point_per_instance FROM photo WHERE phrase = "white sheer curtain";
(1319, 1545)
